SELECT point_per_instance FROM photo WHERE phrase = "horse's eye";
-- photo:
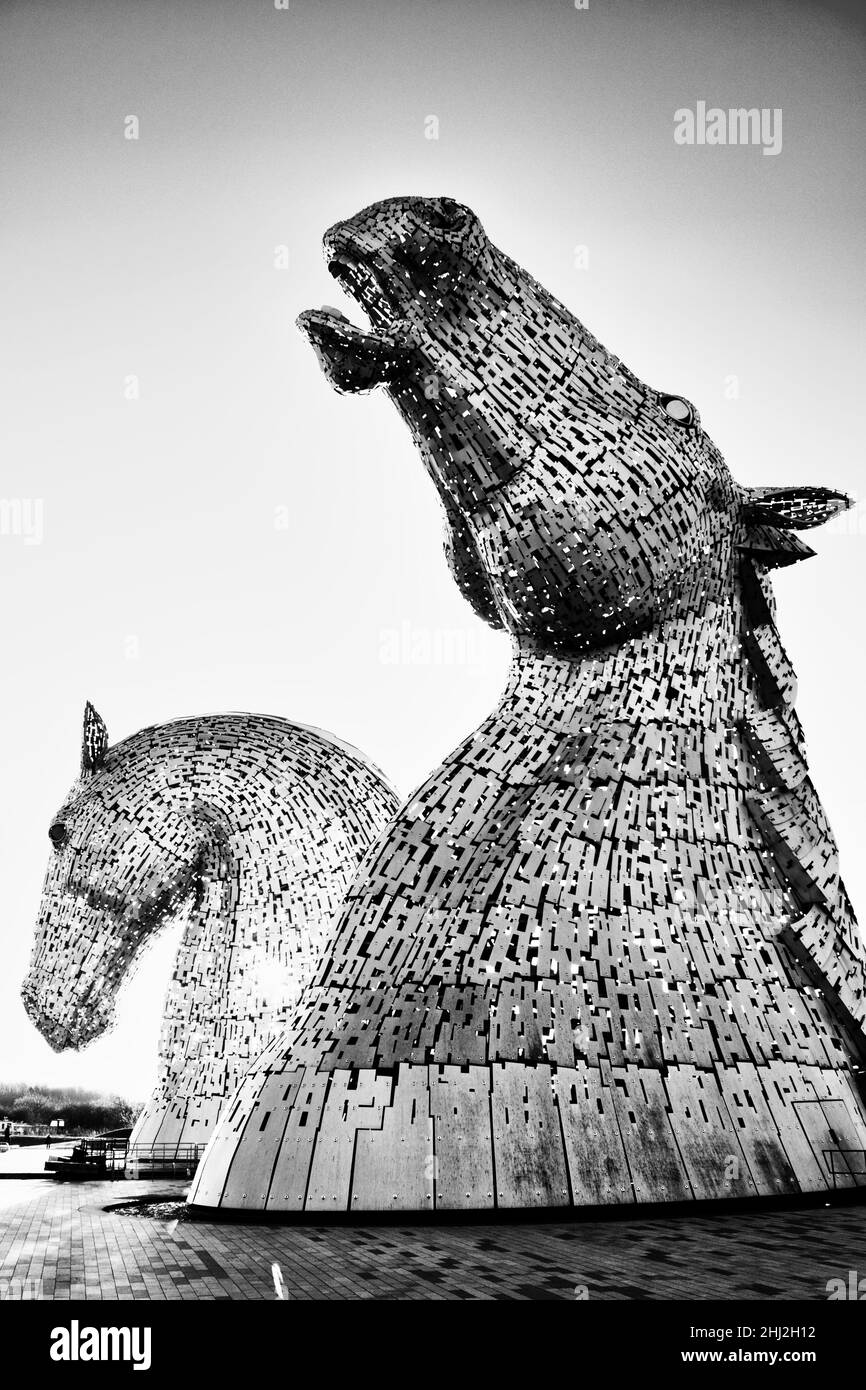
(445, 213)
(57, 834)
(678, 409)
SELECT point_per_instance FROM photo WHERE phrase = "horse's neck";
(688, 672)
(651, 732)
(212, 929)
(220, 956)
(697, 716)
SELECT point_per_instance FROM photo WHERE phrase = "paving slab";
(63, 1240)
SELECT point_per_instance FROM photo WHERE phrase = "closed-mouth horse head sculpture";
(248, 829)
(604, 953)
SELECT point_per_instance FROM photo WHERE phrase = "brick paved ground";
(58, 1241)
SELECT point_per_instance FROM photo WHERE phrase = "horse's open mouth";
(356, 359)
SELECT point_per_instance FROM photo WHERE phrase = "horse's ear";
(94, 740)
(796, 507)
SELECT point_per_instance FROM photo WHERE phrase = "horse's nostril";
(57, 834)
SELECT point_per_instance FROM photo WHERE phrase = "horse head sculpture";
(583, 505)
(604, 953)
(244, 828)
(122, 864)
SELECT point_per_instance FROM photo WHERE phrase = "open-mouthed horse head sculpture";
(604, 953)
(246, 829)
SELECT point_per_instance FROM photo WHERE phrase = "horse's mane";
(822, 930)
(786, 806)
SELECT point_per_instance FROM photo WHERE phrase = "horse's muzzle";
(63, 1024)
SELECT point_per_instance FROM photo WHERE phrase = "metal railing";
(110, 1156)
(97, 1156)
(167, 1158)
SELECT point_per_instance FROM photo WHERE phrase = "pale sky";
(162, 586)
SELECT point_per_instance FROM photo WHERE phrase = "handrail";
(107, 1155)
(181, 1152)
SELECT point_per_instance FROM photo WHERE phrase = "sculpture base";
(514, 1136)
